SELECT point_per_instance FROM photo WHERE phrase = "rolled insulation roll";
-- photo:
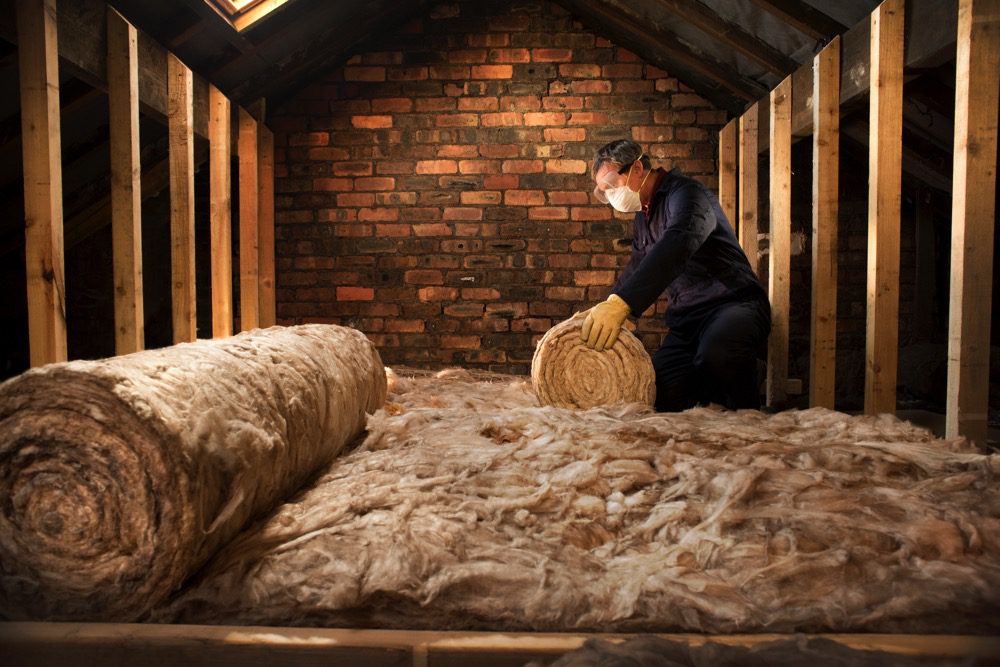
(568, 374)
(120, 477)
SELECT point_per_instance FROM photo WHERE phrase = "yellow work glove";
(604, 321)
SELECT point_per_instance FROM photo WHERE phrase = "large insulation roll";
(120, 477)
(568, 374)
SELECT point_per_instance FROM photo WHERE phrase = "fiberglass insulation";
(120, 477)
(467, 506)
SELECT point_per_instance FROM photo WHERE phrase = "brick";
(375, 183)
(478, 104)
(560, 293)
(352, 168)
(565, 167)
(510, 23)
(499, 150)
(568, 197)
(419, 214)
(590, 213)
(494, 39)
(509, 309)
(461, 342)
(548, 213)
(423, 277)
(579, 71)
(711, 117)
(626, 56)
(328, 153)
(503, 119)
(522, 166)
(587, 278)
(483, 262)
(437, 167)
(621, 71)
(669, 117)
(690, 134)
(628, 87)
(395, 231)
(544, 118)
(432, 229)
(551, 55)
(520, 103)
(437, 293)
(352, 230)
(504, 182)
(405, 326)
(396, 198)
(336, 215)
(594, 87)
(364, 73)
(309, 139)
(606, 261)
(452, 72)
(564, 134)
(509, 56)
(478, 166)
(355, 199)
(355, 294)
(563, 102)
(378, 214)
(467, 56)
(464, 310)
(588, 118)
(654, 72)
(465, 214)
(524, 198)
(483, 198)
(435, 104)
(392, 104)
(457, 120)
(371, 122)
(480, 293)
(666, 85)
(395, 167)
(492, 71)
(407, 73)
(461, 245)
(332, 184)
(457, 151)
(567, 261)
(682, 100)
(653, 134)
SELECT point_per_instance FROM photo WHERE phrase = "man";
(718, 313)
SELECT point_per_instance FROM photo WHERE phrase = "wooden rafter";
(803, 17)
(730, 34)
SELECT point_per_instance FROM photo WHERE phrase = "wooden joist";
(126, 190)
(265, 219)
(802, 16)
(973, 218)
(247, 150)
(182, 233)
(884, 192)
(38, 64)
(748, 225)
(86, 644)
(825, 199)
(780, 231)
(220, 214)
(728, 157)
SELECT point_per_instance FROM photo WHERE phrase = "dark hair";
(619, 153)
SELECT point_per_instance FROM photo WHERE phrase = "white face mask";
(623, 198)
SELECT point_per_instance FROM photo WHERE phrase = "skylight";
(241, 14)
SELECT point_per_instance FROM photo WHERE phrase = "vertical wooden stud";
(126, 190)
(38, 66)
(247, 149)
(780, 231)
(884, 191)
(265, 218)
(180, 101)
(825, 192)
(220, 213)
(748, 225)
(728, 158)
(973, 218)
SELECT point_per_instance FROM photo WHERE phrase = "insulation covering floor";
(467, 506)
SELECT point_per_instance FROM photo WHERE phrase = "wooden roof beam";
(730, 34)
(803, 17)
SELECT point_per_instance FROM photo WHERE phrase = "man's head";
(618, 164)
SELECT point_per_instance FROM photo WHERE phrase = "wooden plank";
(748, 186)
(38, 68)
(249, 205)
(126, 189)
(728, 157)
(780, 231)
(885, 147)
(825, 199)
(973, 218)
(220, 214)
(265, 218)
(803, 17)
(182, 236)
(100, 644)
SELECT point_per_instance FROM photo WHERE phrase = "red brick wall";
(435, 193)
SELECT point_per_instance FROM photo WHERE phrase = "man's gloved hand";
(604, 321)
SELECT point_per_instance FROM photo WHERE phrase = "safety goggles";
(599, 193)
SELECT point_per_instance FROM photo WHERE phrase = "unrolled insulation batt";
(120, 477)
(467, 506)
